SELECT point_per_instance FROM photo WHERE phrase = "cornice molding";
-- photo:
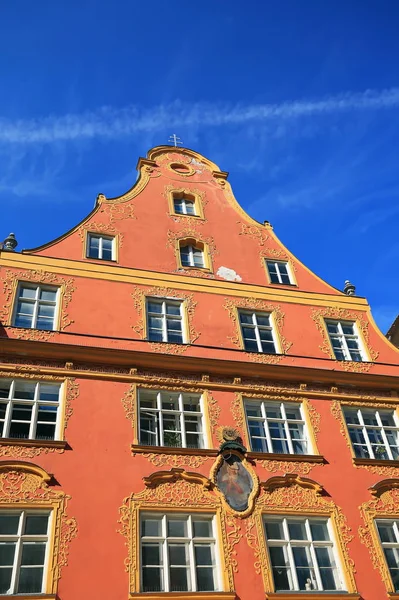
(115, 273)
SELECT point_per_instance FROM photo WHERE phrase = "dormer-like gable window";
(101, 247)
(279, 272)
(184, 206)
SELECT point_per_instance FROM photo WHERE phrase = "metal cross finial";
(175, 140)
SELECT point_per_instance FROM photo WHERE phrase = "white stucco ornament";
(228, 274)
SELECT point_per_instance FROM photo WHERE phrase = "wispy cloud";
(122, 123)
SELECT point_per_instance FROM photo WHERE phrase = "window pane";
(151, 527)
(178, 204)
(5, 580)
(33, 553)
(250, 345)
(178, 579)
(177, 528)
(46, 310)
(319, 531)
(177, 554)
(263, 320)
(154, 307)
(21, 321)
(27, 292)
(26, 308)
(36, 524)
(107, 253)
(7, 551)
(205, 579)
(45, 431)
(246, 318)
(48, 295)
(152, 580)
(24, 391)
(297, 530)
(173, 309)
(190, 207)
(30, 580)
(49, 393)
(281, 573)
(203, 555)
(44, 323)
(202, 529)
(9, 524)
(274, 530)
(151, 554)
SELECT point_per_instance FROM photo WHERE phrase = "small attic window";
(279, 272)
(184, 205)
(181, 169)
(101, 247)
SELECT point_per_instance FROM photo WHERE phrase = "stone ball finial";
(349, 288)
(10, 243)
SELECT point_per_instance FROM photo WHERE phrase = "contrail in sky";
(112, 123)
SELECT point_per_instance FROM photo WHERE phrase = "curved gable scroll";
(292, 495)
(173, 491)
(24, 485)
(384, 505)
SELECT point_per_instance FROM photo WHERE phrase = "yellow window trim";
(116, 243)
(26, 448)
(197, 245)
(25, 486)
(283, 259)
(292, 495)
(177, 491)
(384, 505)
(337, 410)
(194, 195)
(131, 404)
(312, 420)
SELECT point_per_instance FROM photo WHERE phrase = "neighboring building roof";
(393, 332)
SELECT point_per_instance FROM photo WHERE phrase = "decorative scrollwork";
(10, 283)
(292, 494)
(232, 306)
(257, 233)
(276, 254)
(139, 296)
(106, 228)
(175, 460)
(384, 505)
(287, 466)
(23, 483)
(173, 491)
(25, 451)
(332, 312)
(118, 212)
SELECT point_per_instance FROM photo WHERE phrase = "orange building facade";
(187, 411)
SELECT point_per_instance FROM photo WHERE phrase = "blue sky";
(299, 100)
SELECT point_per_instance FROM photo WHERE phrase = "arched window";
(192, 256)
(184, 205)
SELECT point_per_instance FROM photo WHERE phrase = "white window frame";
(288, 543)
(343, 337)
(35, 403)
(163, 315)
(257, 327)
(183, 201)
(159, 412)
(191, 249)
(390, 545)
(364, 429)
(101, 238)
(37, 302)
(264, 404)
(164, 540)
(19, 538)
(277, 264)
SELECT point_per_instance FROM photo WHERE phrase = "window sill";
(393, 596)
(375, 462)
(139, 449)
(310, 458)
(30, 596)
(102, 260)
(313, 596)
(62, 444)
(183, 595)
